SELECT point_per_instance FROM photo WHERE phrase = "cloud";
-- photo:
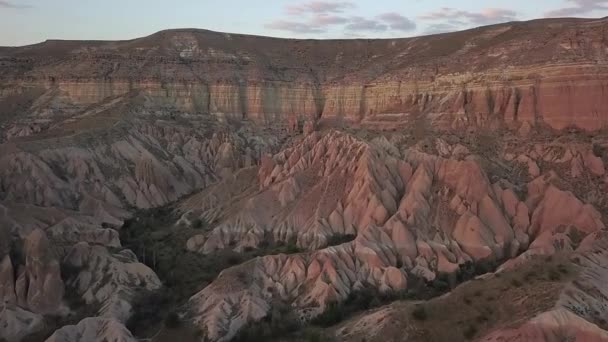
(363, 24)
(9, 4)
(295, 27)
(440, 28)
(484, 17)
(320, 16)
(397, 22)
(319, 7)
(579, 7)
(326, 20)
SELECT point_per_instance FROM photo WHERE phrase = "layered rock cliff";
(549, 72)
(369, 160)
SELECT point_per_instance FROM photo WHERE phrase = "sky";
(25, 22)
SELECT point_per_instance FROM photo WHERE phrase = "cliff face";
(223, 140)
(548, 71)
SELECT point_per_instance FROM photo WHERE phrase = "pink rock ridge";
(580, 311)
(418, 214)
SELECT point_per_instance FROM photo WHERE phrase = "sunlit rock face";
(410, 212)
(478, 77)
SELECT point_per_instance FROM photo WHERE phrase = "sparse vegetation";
(516, 282)
(161, 246)
(338, 239)
(470, 332)
(419, 313)
(554, 275)
(576, 237)
(198, 223)
(172, 320)
(280, 322)
(475, 307)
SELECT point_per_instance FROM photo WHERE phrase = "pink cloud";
(319, 7)
(579, 7)
(483, 17)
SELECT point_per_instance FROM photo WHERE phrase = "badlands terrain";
(206, 186)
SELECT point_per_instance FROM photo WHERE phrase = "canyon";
(214, 187)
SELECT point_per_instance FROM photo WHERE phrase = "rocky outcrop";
(580, 312)
(558, 308)
(39, 286)
(7, 282)
(148, 167)
(412, 214)
(108, 281)
(93, 329)
(238, 131)
(17, 323)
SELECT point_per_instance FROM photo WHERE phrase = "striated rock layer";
(549, 72)
(93, 131)
(411, 213)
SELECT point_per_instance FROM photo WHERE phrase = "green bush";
(338, 239)
(172, 320)
(198, 223)
(333, 314)
(562, 269)
(420, 313)
(576, 237)
(312, 336)
(470, 332)
(440, 284)
(516, 282)
(554, 275)
(280, 322)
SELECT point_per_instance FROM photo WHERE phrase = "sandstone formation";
(39, 286)
(558, 310)
(417, 214)
(476, 77)
(380, 164)
(16, 323)
(93, 329)
(108, 281)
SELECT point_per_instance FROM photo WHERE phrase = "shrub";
(440, 284)
(576, 237)
(279, 322)
(333, 314)
(562, 268)
(554, 275)
(481, 319)
(312, 336)
(470, 332)
(197, 223)
(419, 313)
(233, 259)
(172, 320)
(516, 283)
(338, 239)
(292, 248)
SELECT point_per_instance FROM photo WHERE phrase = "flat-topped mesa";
(542, 72)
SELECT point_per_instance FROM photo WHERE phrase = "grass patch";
(152, 236)
(419, 313)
